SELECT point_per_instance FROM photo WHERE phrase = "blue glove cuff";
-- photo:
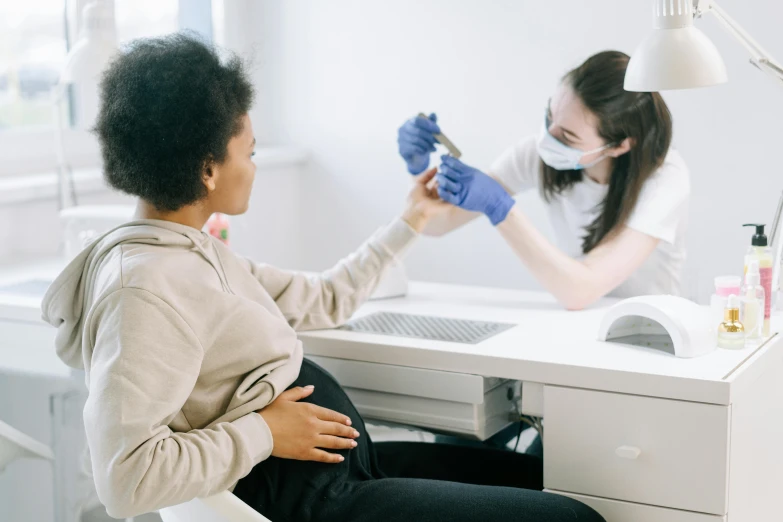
(497, 214)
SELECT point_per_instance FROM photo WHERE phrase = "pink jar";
(217, 226)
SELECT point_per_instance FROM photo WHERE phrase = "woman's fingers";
(331, 442)
(318, 455)
(448, 197)
(427, 176)
(408, 150)
(453, 175)
(418, 132)
(412, 140)
(337, 429)
(428, 124)
(326, 414)
(448, 184)
(454, 165)
(296, 394)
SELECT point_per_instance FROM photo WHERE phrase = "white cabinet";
(660, 452)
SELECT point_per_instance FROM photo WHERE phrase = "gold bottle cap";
(731, 322)
(731, 315)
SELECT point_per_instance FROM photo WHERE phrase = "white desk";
(699, 440)
(709, 431)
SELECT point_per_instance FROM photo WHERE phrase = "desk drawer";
(458, 403)
(616, 511)
(652, 451)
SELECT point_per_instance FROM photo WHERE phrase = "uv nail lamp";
(664, 322)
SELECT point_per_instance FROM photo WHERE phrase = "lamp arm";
(64, 173)
(759, 57)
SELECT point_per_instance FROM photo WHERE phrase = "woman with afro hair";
(197, 381)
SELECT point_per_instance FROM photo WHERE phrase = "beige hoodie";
(182, 341)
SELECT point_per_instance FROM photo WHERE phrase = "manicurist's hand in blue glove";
(470, 189)
(615, 190)
(416, 140)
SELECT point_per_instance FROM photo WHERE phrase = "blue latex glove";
(471, 189)
(416, 141)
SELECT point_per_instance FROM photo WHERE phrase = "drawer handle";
(628, 452)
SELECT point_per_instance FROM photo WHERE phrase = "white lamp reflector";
(675, 55)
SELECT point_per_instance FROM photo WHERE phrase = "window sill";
(39, 187)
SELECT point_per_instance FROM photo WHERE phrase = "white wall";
(32, 229)
(339, 77)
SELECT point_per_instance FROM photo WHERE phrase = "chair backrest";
(16, 445)
(223, 507)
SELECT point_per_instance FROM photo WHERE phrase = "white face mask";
(560, 156)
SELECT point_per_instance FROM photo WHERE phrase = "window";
(32, 51)
(35, 36)
(140, 18)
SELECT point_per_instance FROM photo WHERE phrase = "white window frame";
(29, 151)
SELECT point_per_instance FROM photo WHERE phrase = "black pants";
(402, 481)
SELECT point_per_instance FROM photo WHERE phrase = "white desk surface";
(549, 345)
(33, 355)
(26, 308)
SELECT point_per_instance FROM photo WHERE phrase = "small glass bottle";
(731, 333)
(724, 287)
(761, 252)
(752, 304)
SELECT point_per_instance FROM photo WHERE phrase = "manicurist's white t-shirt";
(661, 211)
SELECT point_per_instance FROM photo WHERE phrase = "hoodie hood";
(67, 300)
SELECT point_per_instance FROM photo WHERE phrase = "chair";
(16, 445)
(222, 507)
